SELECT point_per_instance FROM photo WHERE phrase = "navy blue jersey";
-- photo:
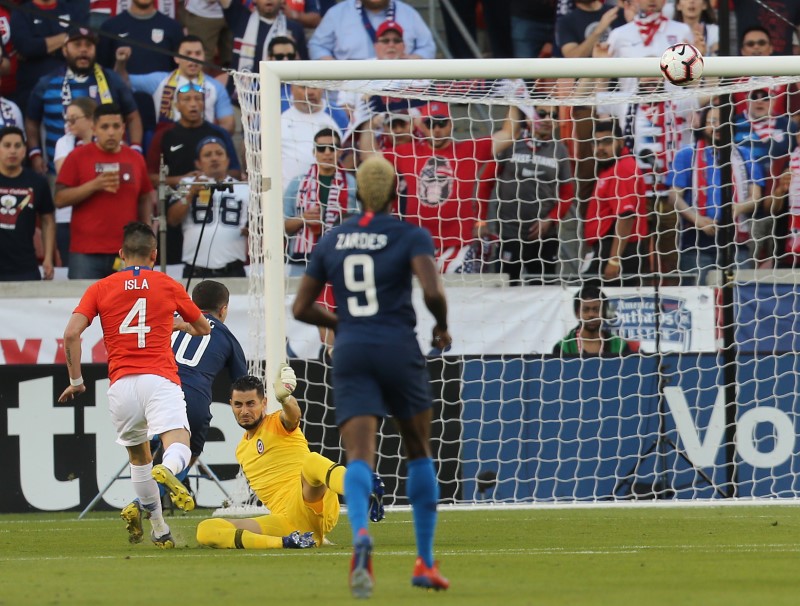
(369, 267)
(201, 358)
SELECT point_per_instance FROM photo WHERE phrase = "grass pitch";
(620, 556)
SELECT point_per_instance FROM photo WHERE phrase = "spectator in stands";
(101, 11)
(205, 20)
(778, 24)
(349, 30)
(107, 185)
(163, 86)
(299, 124)
(177, 143)
(702, 18)
(586, 26)
(283, 48)
(143, 23)
(317, 200)
(253, 31)
(696, 192)
(9, 58)
(441, 176)
(589, 337)
(10, 114)
(24, 196)
(616, 220)
(532, 28)
(40, 38)
(755, 42)
(213, 220)
(534, 192)
(80, 130)
(648, 35)
(82, 77)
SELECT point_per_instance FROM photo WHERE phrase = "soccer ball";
(682, 64)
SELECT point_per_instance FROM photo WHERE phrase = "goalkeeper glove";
(284, 383)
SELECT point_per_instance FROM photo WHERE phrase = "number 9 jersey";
(367, 260)
(136, 307)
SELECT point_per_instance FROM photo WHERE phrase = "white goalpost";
(705, 407)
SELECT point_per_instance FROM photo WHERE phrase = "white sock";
(176, 457)
(146, 489)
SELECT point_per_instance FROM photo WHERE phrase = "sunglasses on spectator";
(323, 147)
(759, 95)
(434, 122)
(186, 88)
(73, 120)
(284, 56)
(760, 42)
(543, 113)
(390, 40)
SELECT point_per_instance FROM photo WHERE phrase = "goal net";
(620, 278)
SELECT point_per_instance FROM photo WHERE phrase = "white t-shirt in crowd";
(297, 144)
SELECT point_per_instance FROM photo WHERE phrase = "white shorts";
(143, 406)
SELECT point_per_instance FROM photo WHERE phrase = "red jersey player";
(136, 308)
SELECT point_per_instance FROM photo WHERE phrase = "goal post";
(515, 424)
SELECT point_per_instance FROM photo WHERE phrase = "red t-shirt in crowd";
(136, 307)
(619, 190)
(440, 185)
(97, 222)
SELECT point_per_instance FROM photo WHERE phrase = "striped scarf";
(332, 214)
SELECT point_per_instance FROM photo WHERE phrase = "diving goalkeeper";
(273, 453)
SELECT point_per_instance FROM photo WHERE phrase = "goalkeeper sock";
(423, 492)
(221, 534)
(146, 490)
(318, 470)
(357, 487)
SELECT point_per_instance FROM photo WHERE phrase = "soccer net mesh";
(536, 191)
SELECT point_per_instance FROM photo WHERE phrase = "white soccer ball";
(682, 64)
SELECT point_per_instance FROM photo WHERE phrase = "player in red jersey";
(136, 308)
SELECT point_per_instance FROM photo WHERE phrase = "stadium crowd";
(515, 201)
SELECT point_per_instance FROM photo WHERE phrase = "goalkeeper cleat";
(376, 512)
(428, 578)
(299, 541)
(177, 491)
(361, 577)
(165, 541)
(133, 514)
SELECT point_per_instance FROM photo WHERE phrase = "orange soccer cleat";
(429, 578)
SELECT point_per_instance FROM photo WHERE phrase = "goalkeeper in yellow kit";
(274, 455)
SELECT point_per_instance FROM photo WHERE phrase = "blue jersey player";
(199, 360)
(378, 368)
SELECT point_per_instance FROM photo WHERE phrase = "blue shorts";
(380, 380)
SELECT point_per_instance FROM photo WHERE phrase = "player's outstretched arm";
(198, 328)
(72, 351)
(424, 268)
(284, 385)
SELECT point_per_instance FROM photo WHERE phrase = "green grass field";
(622, 556)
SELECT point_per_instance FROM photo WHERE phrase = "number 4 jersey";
(136, 307)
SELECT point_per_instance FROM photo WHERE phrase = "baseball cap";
(389, 26)
(78, 33)
(435, 109)
(207, 141)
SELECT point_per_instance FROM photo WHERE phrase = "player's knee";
(213, 533)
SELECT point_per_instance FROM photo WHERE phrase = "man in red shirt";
(136, 307)
(616, 218)
(108, 187)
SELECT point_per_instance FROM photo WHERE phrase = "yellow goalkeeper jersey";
(272, 460)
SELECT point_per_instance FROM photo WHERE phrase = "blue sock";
(423, 492)
(357, 486)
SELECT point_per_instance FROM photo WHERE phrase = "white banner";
(482, 320)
